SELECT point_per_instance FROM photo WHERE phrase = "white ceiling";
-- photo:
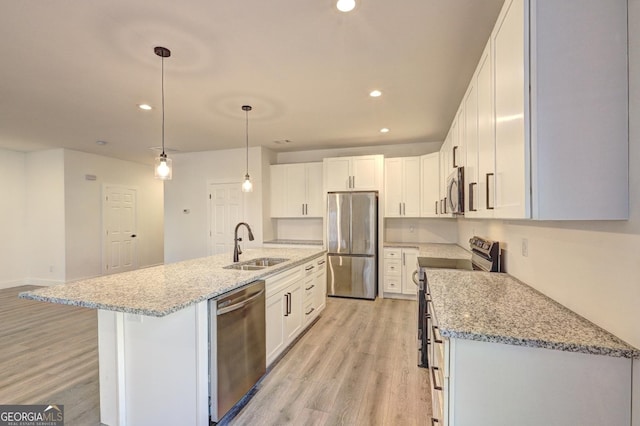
(73, 71)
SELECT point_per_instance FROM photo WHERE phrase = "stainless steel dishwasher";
(237, 358)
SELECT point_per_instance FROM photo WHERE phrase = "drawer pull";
(433, 377)
(434, 421)
(309, 313)
(320, 262)
(308, 268)
(309, 288)
(436, 334)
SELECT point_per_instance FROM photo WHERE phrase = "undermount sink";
(256, 264)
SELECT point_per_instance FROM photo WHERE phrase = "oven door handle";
(413, 277)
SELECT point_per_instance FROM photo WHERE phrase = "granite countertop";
(295, 242)
(493, 307)
(448, 251)
(161, 290)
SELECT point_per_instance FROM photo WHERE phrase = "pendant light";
(247, 186)
(163, 169)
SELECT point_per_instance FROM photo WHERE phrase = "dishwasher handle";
(239, 305)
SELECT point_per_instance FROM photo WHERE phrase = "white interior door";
(226, 210)
(119, 229)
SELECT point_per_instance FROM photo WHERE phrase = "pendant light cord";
(162, 85)
(247, 133)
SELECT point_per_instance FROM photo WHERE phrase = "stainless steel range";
(485, 256)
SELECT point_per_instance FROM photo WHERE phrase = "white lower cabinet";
(293, 300)
(399, 265)
(486, 384)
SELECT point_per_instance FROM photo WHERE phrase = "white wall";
(591, 267)
(44, 219)
(83, 206)
(13, 267)
(187, 235)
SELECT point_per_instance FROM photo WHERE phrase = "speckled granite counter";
(162, 290)
(448, 251)
(493, 307)
(295, 242)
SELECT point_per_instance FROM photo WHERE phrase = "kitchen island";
(503, 353)
(153, 332)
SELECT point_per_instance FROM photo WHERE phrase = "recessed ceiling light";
(384, 130)
(101, 143)
(345, 5)
(375, 93)
(282, 141)
(145, 107)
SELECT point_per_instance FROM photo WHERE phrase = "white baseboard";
(42, 282)
(9, 284)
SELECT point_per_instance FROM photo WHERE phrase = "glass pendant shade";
(163, 167)
(345, 5)
(247, 186)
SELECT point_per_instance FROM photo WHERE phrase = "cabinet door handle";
(436, 338)
(471, 197)
(445, 205)
(487, 192)
(436, 207)
(286, 304)
(302, 209)
(433, 376)
(455, 163)
(353, 180)
(399, 209)
(434, 421)
(404, 209)
(308, 313)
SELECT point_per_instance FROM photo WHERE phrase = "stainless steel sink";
(244, 267)
(256, 264)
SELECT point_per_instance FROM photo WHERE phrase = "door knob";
(133, 235)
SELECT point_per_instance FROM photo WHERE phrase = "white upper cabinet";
(484, 191)
(430, 184)
(561, 110)
(363, 173)
(296, 190)
(470, 108)
(402, 187)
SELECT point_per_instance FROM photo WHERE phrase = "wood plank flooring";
(355, 366)
(49, 354)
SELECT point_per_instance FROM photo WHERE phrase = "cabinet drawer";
(309, 311)
(392, 267)
(309, 289)
(392, 253)
(392, 284)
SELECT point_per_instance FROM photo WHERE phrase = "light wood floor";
(49, 355)
(355, 366)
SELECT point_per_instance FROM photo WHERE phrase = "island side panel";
(506, 384)
(155, 368)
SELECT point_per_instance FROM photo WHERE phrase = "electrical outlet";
(525, 247)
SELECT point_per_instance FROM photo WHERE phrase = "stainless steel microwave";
(455, 191)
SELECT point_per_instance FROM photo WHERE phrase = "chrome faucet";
(236, 247)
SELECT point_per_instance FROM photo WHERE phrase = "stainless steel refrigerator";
(352, 244)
